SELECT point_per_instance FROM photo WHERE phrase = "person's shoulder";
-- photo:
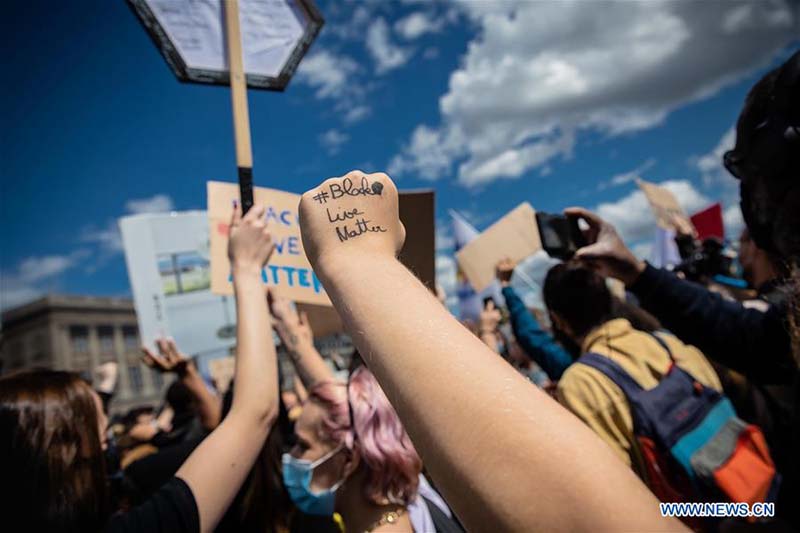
(172, 508)
(578, 379)
(692, 360)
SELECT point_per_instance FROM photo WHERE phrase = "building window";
(158, 379)
(130, 338)
(105, 337)
(38, 348)
(16, 355)
(79, 340)
(135, 376)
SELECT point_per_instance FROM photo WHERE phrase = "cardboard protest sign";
(275, 35)
(515, 236)
(288, 269)
(664, 205)
(323, 319)
(167, 256)
(417, 213)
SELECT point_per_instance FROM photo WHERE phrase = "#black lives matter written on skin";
(347, 188)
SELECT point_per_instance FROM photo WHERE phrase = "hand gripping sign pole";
(241, 114)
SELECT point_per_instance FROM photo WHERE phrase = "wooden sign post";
(241, 113)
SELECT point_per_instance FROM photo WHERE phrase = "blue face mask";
(297, 475)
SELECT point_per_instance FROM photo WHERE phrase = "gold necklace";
(389, 517)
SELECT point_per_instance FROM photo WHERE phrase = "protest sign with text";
(288, 269)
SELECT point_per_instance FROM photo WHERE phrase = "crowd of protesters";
(674, 393)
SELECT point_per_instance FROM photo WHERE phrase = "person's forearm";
(309, 363)
(256, 375)
(300, 390)
(505, 455)
(217, 468)
(209, 405)
(537, 344)
(724, 331)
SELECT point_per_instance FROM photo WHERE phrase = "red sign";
(708, 222)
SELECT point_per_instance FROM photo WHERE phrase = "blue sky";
(490, 103)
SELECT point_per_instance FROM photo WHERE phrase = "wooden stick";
(241, 117)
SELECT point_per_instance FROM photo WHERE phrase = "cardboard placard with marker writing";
(288, 269)
(515, 236)
(668, 212)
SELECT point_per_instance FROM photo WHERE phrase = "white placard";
(170, 276)
(270, 31)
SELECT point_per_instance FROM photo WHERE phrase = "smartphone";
(561, 237)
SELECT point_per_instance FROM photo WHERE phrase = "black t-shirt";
(172, 509)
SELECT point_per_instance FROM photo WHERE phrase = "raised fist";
(352, 216)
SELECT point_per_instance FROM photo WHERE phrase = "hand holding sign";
(355, 215)
(169, 358)
(250, 244)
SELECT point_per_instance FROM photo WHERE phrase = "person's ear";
(351, 463)
(561, 324)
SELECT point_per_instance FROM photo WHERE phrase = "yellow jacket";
(597, 401)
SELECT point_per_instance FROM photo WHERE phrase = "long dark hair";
(51, 457)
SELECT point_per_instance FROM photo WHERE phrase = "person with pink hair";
(353, 457)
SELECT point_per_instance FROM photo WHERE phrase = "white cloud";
(447, 279)
(109, 238)
(542, 72)
(386, 54)
(710, 165)
(34, 276)
(627, 177)
(354, 114)
(733, 221)
(418, 24)
(444, 237)
(332, 77)
(353, 28)
(511, 163)
(328, 73)
(333, 140)
(433, 154)
(632, 216)
(160, 203)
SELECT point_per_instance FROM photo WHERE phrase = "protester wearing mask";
(365, 469)
(53, 429)
(537, 343)
(426, 510)
(580, 305)
(762, 345)
(505, 455)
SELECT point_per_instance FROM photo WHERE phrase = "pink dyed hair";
(392, 462)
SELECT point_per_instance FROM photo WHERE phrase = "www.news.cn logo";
(718, 510)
